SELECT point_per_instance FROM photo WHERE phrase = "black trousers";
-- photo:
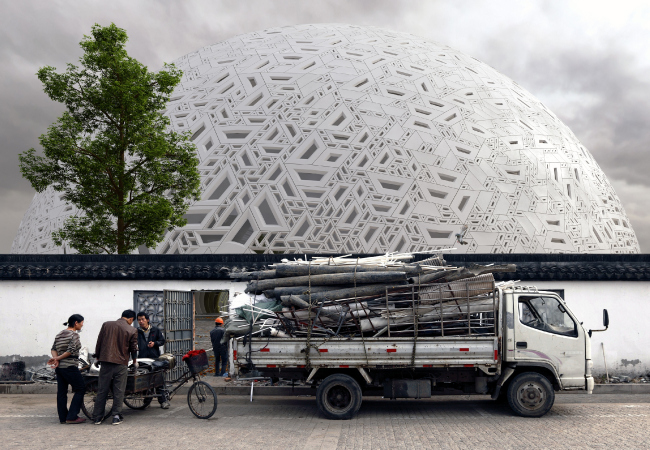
(69, 376)
(220, 354)
(160, 393)
(115, 374)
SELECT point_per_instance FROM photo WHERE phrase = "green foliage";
(112, 153)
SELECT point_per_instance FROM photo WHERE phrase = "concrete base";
(228, 388)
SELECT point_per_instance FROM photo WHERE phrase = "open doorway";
(208, 305)
(185, 317)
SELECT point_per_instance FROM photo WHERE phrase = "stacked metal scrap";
(371, 296)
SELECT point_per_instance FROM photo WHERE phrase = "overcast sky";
(588, 63)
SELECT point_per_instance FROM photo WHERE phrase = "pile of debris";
(373, 296)
(13, 371)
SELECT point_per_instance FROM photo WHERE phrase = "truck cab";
(542, 338)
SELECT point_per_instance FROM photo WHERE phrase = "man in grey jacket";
(117, 339)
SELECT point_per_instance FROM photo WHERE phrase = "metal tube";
(469, 321)
(442, 319)
(494, 309)
(605, 360)
(387, 313)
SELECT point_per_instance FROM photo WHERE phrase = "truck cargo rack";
(465, 307)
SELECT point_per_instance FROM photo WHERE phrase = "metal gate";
(150, 302)
(179, 326)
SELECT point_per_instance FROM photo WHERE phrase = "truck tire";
(339, 397)
(530, 395)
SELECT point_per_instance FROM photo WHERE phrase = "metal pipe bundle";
(370, 296)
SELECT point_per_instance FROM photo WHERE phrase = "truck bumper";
(590, 384)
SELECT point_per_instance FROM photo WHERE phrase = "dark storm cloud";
(614, 105)
(598, 88)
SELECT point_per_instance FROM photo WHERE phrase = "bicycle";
(143, 386)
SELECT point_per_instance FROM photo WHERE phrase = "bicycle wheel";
(137, 401)
(202, 400)
(88, 406)
(44, 375)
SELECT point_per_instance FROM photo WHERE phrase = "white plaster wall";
(628, 304)
(33, 312)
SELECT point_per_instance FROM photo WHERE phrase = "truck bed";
(381, 352)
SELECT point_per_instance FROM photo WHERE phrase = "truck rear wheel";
(530, 395)
(339, 397)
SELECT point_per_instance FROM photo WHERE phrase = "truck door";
(546, 332)
(179, 326)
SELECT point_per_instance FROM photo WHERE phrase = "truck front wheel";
(530, 395)
(339, 397)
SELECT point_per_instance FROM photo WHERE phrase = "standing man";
(150, 338)
(117, 339)
(220, 350)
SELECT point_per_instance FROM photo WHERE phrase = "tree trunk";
(121, 248)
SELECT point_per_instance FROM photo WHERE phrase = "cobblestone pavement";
(576, 421)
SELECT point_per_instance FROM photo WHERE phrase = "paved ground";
(576, 421)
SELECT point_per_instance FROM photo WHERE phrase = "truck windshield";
(546, 314)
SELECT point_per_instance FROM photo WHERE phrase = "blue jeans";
(69, 376)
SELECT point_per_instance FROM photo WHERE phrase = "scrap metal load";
(367, 297)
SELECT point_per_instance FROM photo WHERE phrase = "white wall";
(628, 338)
(33, 312)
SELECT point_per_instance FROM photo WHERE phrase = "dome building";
(348, 139)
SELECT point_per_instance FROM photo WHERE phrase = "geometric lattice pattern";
(338, 138)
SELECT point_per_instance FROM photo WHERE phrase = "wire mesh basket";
(197, 363)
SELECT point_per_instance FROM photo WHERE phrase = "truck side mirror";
(605, 322)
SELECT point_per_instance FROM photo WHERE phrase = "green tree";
(112, 153)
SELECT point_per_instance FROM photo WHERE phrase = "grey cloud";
(611, 117)
(611, 106)
(601, 91)
(14, 205)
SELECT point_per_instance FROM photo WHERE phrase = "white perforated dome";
(339, 138)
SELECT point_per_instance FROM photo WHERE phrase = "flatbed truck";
(533, 347)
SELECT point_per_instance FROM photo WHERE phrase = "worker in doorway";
(150, 339)
(220, 350)
(117, 339)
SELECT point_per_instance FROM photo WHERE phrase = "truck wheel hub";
(339, 397)
(531, 396)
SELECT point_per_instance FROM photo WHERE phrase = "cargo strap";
(309, 321)
(363, 341)
(415, 307)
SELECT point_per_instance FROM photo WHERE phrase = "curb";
(288, 391)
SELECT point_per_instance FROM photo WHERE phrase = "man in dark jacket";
(220, 350)
(116, 341)
(150, 339)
